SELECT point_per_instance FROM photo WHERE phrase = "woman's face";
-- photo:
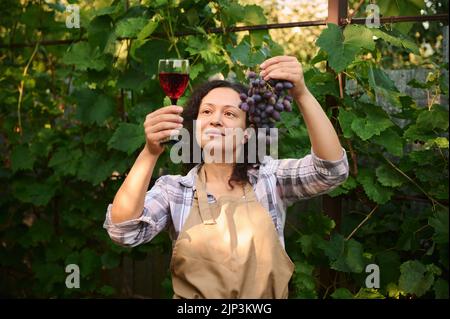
(220, 118)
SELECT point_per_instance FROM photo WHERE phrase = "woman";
(227, 218)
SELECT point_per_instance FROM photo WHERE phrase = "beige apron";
(229, 249)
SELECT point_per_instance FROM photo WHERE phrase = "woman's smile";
(213, 132)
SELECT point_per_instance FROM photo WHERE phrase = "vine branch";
(432, 199)
(362, 222)
(22, 86)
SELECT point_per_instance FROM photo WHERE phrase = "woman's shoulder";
(168, 186)
(267, 165)
(173, 180)
(178, 181)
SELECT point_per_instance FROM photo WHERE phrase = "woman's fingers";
(163, 126)
(283, 74)
(174, 109)
(164, 118)
(160, 124)
(286, 68)
(292, 67)
(156, 137)
(277, 59)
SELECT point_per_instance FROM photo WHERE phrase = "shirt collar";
(189, 179)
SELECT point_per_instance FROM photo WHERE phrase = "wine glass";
(173, 77)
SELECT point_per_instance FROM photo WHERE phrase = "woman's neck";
(218, 172)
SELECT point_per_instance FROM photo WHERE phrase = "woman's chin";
(212, 140)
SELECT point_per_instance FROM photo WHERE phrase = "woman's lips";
(214, 133)
(213, 136)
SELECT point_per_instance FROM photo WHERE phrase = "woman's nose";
(216, 119)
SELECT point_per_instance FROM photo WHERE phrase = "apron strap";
(203, 205)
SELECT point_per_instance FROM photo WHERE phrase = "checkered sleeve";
(309, 176)
(155, 217)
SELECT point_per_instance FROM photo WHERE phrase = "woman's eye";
(230, 114)
(206, 111)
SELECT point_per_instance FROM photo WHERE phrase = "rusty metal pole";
(337, 11)
(337, 14)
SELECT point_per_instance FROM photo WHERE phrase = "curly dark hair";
(190, 113)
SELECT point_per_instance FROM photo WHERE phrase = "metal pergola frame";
(337, 13)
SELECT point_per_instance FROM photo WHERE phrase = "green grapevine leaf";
(22, 158)
(93, 106)
(439, 221)
(390, 139)
(131, 27)
(374, 190)
(127, 138)
(388, 176)
(342, 293)
(33, 192)
(415, 278)
(342, 47)
(84, 57)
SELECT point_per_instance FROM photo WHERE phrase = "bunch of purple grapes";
(265, 100)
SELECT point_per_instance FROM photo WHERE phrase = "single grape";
(244, 107)
(268, 95)
(286, 103)
(289, 98)
(279, 86)
(288, 85)
(256, 119)
(275, 115)
(272, 101)
(251, 75)
(288, 108)
(250, 101)
(279, 107)
(243, 97)
(263, 114)
(269, 109)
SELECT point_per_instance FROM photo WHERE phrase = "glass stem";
(174, 101)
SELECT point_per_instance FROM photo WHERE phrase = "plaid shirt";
(277, 184)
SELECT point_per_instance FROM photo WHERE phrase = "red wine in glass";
(173, 84)
(174, 78)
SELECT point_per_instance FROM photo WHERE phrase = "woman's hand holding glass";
(159, 125)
